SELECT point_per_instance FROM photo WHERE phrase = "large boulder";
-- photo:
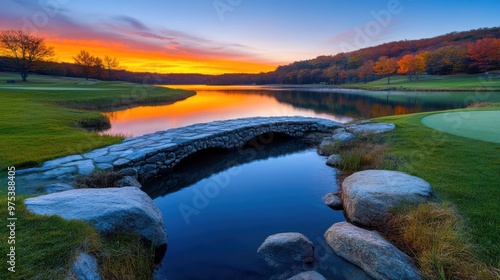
(109, 210)
(368, 196)
(308, 275)
(287, 248)
(85, 268)
(372, 253)
(364, 128)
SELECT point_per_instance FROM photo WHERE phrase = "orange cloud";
(155, 60)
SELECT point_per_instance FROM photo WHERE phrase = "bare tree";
(111, 64)
(27, 50)
(87, 62)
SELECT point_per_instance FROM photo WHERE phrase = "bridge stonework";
(156, 153)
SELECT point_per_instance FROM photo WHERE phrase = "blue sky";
(251, 31)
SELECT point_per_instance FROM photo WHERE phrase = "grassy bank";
(49, 117)
(45, 117)
(461, 82)
(46, 248)
(462, 171)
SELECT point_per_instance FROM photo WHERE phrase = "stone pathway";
(152, 154)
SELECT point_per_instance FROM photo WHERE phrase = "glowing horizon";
(215, 37)
(155, 62)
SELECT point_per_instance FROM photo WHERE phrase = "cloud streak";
(128, 36)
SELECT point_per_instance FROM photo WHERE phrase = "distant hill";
(445, 54)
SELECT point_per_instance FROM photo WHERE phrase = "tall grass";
(124, 256)
(98, 179)
(434, 235)
(367, 151)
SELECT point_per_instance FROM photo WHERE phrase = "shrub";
(433, 234)
(98, 179)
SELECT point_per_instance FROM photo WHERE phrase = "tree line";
(474, 51)
(28, 53)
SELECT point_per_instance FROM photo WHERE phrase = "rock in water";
(308, 275)
(85, 268)
(334, 160)
(287, 248)
(369, 195)
(368, 250)
(326, 147)
(128, 181)
(333, 201)
(109, 210)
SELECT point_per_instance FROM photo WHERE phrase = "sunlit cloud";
(138, 46)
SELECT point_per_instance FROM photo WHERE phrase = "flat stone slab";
(370, 128)
(372, 253)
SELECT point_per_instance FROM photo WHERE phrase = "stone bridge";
(153, 154)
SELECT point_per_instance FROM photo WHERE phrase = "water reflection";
(205, 163)
(219, 206)
(221, 103)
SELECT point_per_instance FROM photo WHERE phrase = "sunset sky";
(230, 36)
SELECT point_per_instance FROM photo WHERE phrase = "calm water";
(219, 206)
(229, 102)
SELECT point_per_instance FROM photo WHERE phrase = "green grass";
(461, 170)
(461, 82)
(46, 248)
(38, 125)
(43, 123)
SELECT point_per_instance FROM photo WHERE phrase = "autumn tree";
(411, 65)
(366, 70)
(88, 63)
(386, 67)
(485, 53)
(26, 50)
(446, 60)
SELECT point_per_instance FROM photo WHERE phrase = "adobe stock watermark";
(203, 196)
(223, 6)
(39, 19)
(364, 35)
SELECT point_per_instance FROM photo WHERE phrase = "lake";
(220, 205)
(228, 102)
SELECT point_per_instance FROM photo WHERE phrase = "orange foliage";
(411, 65)
(485, 53)
(386, 66)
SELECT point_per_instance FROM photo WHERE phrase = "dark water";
(221, 103)
(219, 206)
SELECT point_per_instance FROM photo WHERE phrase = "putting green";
(480, 125)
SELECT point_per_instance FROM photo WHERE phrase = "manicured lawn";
(38, 125)
(430, 82)
(461, 170)
(44, 122)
